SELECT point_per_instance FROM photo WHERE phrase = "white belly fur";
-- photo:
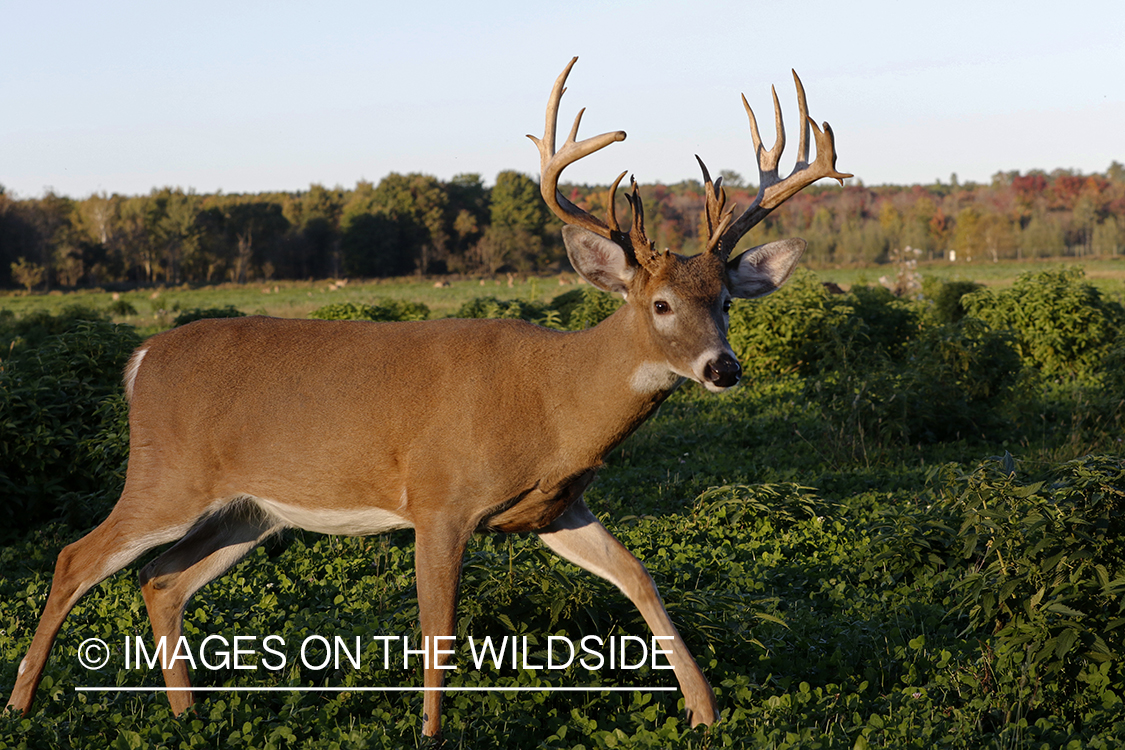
(351, 522)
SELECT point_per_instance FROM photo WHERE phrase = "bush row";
(63, 430)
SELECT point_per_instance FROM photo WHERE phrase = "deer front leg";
(579, 537)
(439, 546)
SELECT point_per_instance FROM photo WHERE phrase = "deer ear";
(763, 269)
(600, 261)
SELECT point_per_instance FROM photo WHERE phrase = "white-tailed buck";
(241, 428)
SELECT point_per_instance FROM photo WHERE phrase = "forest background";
(417, 224)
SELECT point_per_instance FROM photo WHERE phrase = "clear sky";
(254, 96)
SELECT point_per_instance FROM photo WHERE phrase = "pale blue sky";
(246, 97)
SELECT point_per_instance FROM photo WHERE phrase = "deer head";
(684, 301)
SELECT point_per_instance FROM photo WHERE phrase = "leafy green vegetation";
(575, 310)
(380, 310)
(203, 313)
(903, 531)
(62, 419)
(1061, 324)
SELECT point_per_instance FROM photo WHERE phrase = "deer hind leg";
(168, 582)
(579, 537)
(130, 530)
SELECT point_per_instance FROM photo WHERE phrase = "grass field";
(899, 532)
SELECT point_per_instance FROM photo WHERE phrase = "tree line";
(417, 224)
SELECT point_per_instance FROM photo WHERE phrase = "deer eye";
(726, 306)
(660, 307)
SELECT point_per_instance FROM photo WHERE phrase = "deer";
(241, 428)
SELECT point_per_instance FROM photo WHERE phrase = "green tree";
(97, 221)
(469, 208)
(395, 227)
(370, 244)
(519, 219)
(998, 235)
(1116, 172)
(1084, 219)
(890, 219)
(517, 204)
(416, 203)
(1108, 236)
(58, 243)
(176, 232)
(968, 232)
(315, 218)
(140, 216)
(28, 275)
(916, 224)
(256, 226)
(1043, 236)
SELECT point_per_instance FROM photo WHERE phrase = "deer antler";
(772, 189)
(716, 199)
(552, 164)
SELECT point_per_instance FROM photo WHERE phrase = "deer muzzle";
(723, 371)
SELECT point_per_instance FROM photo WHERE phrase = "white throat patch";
(652, 377)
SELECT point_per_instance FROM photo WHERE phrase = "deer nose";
(723, 371)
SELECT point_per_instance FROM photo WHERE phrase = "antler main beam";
(552, 163)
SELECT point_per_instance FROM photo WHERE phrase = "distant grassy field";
(156, 307)
(1108, 274)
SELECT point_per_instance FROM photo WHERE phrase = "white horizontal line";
(363, 689)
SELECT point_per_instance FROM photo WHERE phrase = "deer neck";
(619, 380)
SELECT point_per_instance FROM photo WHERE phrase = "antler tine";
(803, 119)
(772, 191)
(611, 212)
(718, 219)
(643, 248)
(767, 160)
(553, 163)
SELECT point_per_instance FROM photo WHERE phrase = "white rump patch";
(653, 377)
(350, 522)
(131, 372)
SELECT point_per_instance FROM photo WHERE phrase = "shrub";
(585, 307)
(949, 381)
(491, 307)
(1062, 324)
(383, 310)
(883, 321)
(202, 313)
(1112, 369)
(574, 310)
(804, 329)
(32, 329)
(62, 420)
(792, 329)
(945, 298)
(1043, 565)
(875, 365)
(121, 307)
